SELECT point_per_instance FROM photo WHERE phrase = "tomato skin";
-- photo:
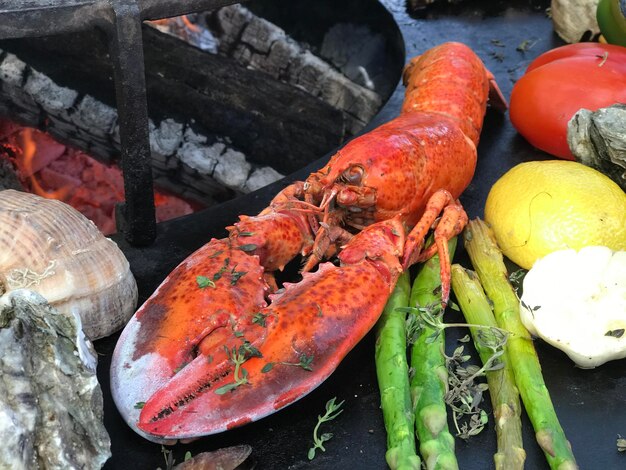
(589, 49)
(554, 89)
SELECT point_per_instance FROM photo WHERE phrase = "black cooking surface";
(590, 403)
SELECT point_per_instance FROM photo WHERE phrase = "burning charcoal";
(50, 400)
(598, 139)
(8, 171)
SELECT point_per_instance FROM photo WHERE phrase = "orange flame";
(29, 148)
(192, 27)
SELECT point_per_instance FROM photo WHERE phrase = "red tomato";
(559, 83)
(590, 49)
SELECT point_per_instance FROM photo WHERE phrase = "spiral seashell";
(51, 248)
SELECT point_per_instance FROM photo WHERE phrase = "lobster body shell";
(219, 345)
(402, 160)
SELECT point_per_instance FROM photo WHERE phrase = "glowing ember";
(54, 171)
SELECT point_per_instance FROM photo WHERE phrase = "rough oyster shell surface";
(51, 408)
(598, 139)
(51, 248)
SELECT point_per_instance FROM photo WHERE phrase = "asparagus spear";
(489, 265)
(430, 380)
(393, 380)
(502, 389)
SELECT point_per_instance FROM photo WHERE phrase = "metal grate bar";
(136, 217)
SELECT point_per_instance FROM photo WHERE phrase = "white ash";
(261, 177)
(12, 70)
(95, 116)
(232, 169)
(166, 137)
(199, 157)
(259, 34)
(52, 97)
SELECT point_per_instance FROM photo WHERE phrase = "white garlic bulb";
(51, 248)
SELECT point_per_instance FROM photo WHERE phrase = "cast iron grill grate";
(121, 20)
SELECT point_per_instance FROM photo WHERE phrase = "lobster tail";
(451, 79)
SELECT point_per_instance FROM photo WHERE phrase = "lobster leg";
(452, 221)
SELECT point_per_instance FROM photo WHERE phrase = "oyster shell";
(51, 408)
(51, 248)
(598, 139)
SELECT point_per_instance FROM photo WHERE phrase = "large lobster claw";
(206, 353)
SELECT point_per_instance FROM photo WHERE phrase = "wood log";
(271, 122)
(197, 167)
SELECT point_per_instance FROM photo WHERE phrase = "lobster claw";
(202, 357)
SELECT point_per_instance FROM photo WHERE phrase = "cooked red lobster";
(218, 345)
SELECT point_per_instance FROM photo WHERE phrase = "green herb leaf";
(525, 45)
(248, 351)
(180, 367)
(248, 247)
(260, 319)
(306, 361)
(615, 333)
(332, 411)
(235, 276)
(139, 405)
(204, 281)
(226, 388)
(516, 278)
(319, 311)
(267, 367)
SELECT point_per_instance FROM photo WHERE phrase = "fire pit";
(588, 402)
(264, 94)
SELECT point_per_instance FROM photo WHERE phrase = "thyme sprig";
(332, 411)
(168, 455)
(432, 316)
(238, 356)
(305, 363)
(466, 393)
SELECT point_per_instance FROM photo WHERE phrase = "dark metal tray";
(590, 403)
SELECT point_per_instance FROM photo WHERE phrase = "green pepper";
(611, 16)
